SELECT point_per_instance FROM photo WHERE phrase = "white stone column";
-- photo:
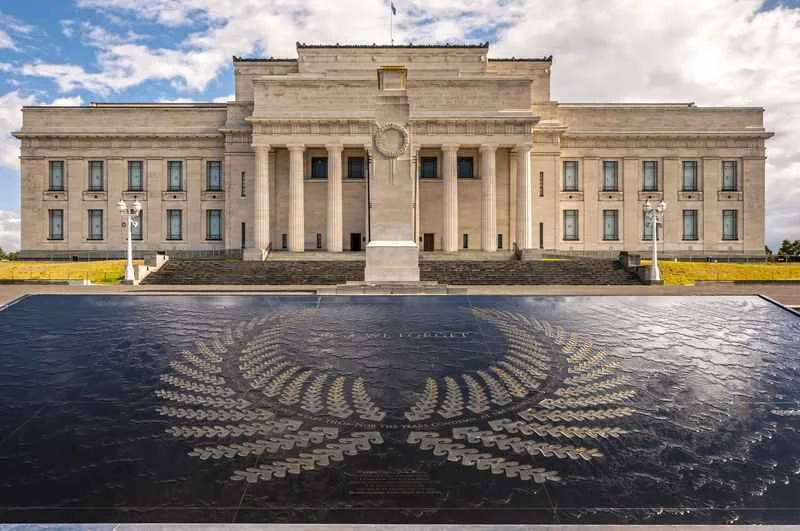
(450, 197)
(525, 198)
(262, 213)
(488, 199)
(296, 200)
(334, 220)
(415, 171)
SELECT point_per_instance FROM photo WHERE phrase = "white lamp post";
(654, 216)
(130, 216)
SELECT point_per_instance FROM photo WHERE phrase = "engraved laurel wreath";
(391, 140)
(545, 399)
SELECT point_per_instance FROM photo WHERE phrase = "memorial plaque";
(399, 409)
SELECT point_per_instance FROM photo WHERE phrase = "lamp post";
(655, 215)
(130, 215)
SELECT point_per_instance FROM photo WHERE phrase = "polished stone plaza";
(215, 408)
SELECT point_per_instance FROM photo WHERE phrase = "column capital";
(450, 147)
(487, 148)
(296, 147)
(334, 147)
(261, 148)
(523, 147)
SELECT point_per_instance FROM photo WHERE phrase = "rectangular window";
(466, 168)
(355, 167)
(428, 168)
(541, 184)
(729, 229)
(137, 229)
(610, 176)
(284, 241)
(174, 224)
(729, 176)
(214, 176)
(175, 176)
(55, 224)
(499, 241)
(95, 224)
(319, 167)
(319, 240)
(650, 175)
(135, 181)
(466, 241)
(214, 224)
(570, 224)
(690, 225)
(689, 175)
(56, 181)
(570, 175)
(610, 224)
(95, 175)
(244, 184)
(647, 232)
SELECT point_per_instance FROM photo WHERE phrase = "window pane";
(135, 175)
(56, 175)
(355, 167)
(610, 175)
(570, 175)
(56, 229)
(136, 228)
(428, 168)
(647, 233)
(690, 224)
(729, 175)
(650, 171)
(173, 224)
(609, 224)
(214, 224)
(96, 175)
(213, 177)
(729, 225)
(570, 224)
(465, 169)
(95, 224)
(175, 170)
(689, 176)
(319, 168)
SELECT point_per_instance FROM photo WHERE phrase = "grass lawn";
(686, 273)
(99, 272)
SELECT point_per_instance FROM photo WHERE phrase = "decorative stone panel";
(95, 196)
(729, 196)
(55, 196)
(651, 196)
(173, 196)
(571, 196)
(609, 196)
(690, 196)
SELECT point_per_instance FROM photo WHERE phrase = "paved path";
(786, 294)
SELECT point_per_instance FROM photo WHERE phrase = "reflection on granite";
(399, 409)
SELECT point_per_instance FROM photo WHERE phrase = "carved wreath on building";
(391, 140)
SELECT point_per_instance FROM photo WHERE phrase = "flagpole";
(391, 24)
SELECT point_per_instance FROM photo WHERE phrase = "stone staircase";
(583, 271)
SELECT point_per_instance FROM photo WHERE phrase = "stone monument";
(392, 253)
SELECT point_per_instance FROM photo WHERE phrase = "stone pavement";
(786, 294)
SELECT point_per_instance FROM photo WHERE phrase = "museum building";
(490, 161)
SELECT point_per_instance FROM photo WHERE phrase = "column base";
(392, 261)
(252, 254)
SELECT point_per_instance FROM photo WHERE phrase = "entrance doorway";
(355, 241)
(427, 241)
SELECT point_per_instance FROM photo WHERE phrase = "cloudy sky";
(712, 52)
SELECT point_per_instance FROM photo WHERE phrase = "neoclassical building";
(479, 154)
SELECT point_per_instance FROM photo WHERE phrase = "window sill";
(214, 240)
(651, 195)
(94, 239)
(173, 196)
(55, 195)
(730, 239)
(56, 239)
(570, 196)
(571, 240)
(609, 196)
(690, 239)
(134, 195)
(95, 196)
(174, 239)
(610, 239)
(729, 196)
(690, 196)
(212, 195)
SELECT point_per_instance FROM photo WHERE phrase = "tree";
(790, 248)
(767, 250)
(3, 255)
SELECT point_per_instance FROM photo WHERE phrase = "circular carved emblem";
(391, 140)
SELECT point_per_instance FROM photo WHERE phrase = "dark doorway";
(244, 227)
(355, 241)
(427, 241)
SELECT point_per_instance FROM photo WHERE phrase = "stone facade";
(493, 161)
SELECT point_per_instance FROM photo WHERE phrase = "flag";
(394, 10)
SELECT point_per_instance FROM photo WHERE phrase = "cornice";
(667, 134)
(24, 135)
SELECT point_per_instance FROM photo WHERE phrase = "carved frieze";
(624, 140)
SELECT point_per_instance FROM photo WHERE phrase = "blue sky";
(714, 52)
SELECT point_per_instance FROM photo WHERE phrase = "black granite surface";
(399, 409)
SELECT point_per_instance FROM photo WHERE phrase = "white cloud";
(9, 230)
(714, 52)
(12, 26)
(6, 41)
(11, 120)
